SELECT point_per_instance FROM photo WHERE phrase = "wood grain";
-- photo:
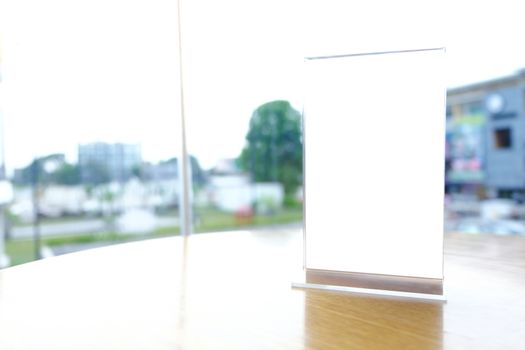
(233, 291)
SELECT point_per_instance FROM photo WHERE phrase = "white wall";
(374, 163)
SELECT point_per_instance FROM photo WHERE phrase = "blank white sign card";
(374, 135)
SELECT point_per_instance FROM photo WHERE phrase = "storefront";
(485, 138)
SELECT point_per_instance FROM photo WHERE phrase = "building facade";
(486, 137)
(103, 162)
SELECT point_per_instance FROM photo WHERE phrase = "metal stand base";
(375, 292)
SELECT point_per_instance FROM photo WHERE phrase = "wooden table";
(233, 291)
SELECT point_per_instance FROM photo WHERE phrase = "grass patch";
(166, 231)
(214, 220)
(82, 238)
(20, 251)
(110, 237)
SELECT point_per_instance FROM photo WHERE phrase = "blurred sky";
(107, 70)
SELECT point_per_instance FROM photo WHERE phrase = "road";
(73, 228)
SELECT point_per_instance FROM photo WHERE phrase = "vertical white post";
(185, 209)
(4, 259)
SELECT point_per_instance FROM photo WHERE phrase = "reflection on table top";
(233, 291)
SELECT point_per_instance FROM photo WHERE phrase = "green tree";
(38, 171)
(197, 174)
(274, 150)
(67, 174)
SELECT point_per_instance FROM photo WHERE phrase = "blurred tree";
(138, 172)
(66, 174)
(50, 169)
(197, 174)
(274, 150)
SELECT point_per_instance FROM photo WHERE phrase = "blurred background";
(91, 102)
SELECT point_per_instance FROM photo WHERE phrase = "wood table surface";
(232, 290)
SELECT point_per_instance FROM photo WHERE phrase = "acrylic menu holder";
(374, 173)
